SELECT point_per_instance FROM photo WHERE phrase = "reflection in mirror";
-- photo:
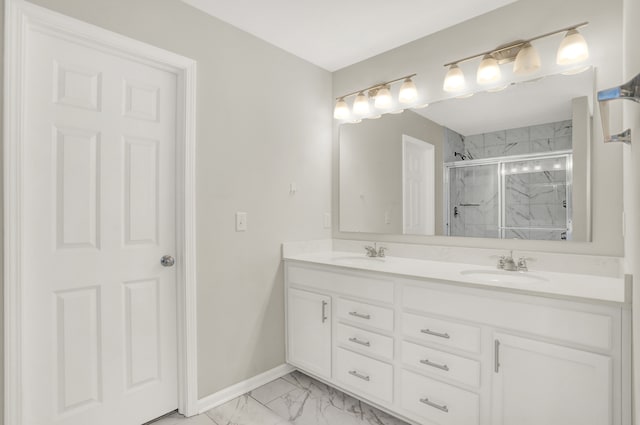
(509, 164)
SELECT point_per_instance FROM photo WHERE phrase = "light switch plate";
(241, 221)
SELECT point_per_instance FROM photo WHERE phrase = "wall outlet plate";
(327, 220)
(241, 221)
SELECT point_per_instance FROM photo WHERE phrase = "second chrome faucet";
(374, 251)
(509, 264)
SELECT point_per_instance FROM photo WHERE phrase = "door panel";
(541, 383)
(99, 212)
(309, 332)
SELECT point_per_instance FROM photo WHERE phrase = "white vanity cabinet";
(441, 353)
(309, 331)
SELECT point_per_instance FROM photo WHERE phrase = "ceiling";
(334, 34)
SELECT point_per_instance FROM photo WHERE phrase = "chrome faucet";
(374, 251)
(522, 264)
(509, 264)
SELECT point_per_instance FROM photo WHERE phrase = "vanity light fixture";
(382, 99)
(488, 71)
(454, 80)
(341, 111)
(527, 60)
(408, 91)
(360, 104)
(573, 49)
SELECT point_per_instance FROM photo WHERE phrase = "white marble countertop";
(602, 288)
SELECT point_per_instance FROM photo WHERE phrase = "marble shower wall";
(555, 136)
(533, 200)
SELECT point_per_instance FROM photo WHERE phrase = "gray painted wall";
(522, 19)
(264, 120)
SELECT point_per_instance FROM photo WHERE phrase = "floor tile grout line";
(277, 397)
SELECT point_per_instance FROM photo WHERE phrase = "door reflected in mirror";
(505, 165)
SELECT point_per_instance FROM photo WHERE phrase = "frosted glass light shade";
(361, 104)
(527, 61)
(383, 98)
(488, 71)
(573, 49)
(341, 111)
(408, 92)
(454, 80)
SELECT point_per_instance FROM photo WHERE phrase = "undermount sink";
(358, 259)
(499, 276)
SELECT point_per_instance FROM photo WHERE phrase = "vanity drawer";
(366, 314)
(373, 288)
(365, 341)
(442, 364)
(437, 402)
(366, 375)
(443, 332)
(564, 321)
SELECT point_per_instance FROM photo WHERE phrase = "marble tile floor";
(294, 399)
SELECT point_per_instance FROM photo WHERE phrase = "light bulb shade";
(408, 92)
(341, 111)
(488, 71)
(454, 80)
(383, 98)
(573, 49)
(361, 104)
(527, 61)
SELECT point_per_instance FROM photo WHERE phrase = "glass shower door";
(473, 205)
(536, 197)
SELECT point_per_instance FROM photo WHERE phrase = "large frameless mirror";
(508, 164)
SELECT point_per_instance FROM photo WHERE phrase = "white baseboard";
(229, 393)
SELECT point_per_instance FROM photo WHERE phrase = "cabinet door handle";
(436, 365)
(426, 401)
(360, 315)
(357, 341)
(359, 375)
(434, 333)
(324, 311)
(496, 356)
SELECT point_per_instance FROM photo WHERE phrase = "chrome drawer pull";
(324, 311)
(436, 365)
(357, 341)
(360, 315)
(426, 401)
(438, 334)
(358, 375)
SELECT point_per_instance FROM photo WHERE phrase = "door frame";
(20, 18)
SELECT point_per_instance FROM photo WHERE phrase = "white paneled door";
(99, 309)
(418, 182)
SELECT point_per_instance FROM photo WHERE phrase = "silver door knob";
(167, 261)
